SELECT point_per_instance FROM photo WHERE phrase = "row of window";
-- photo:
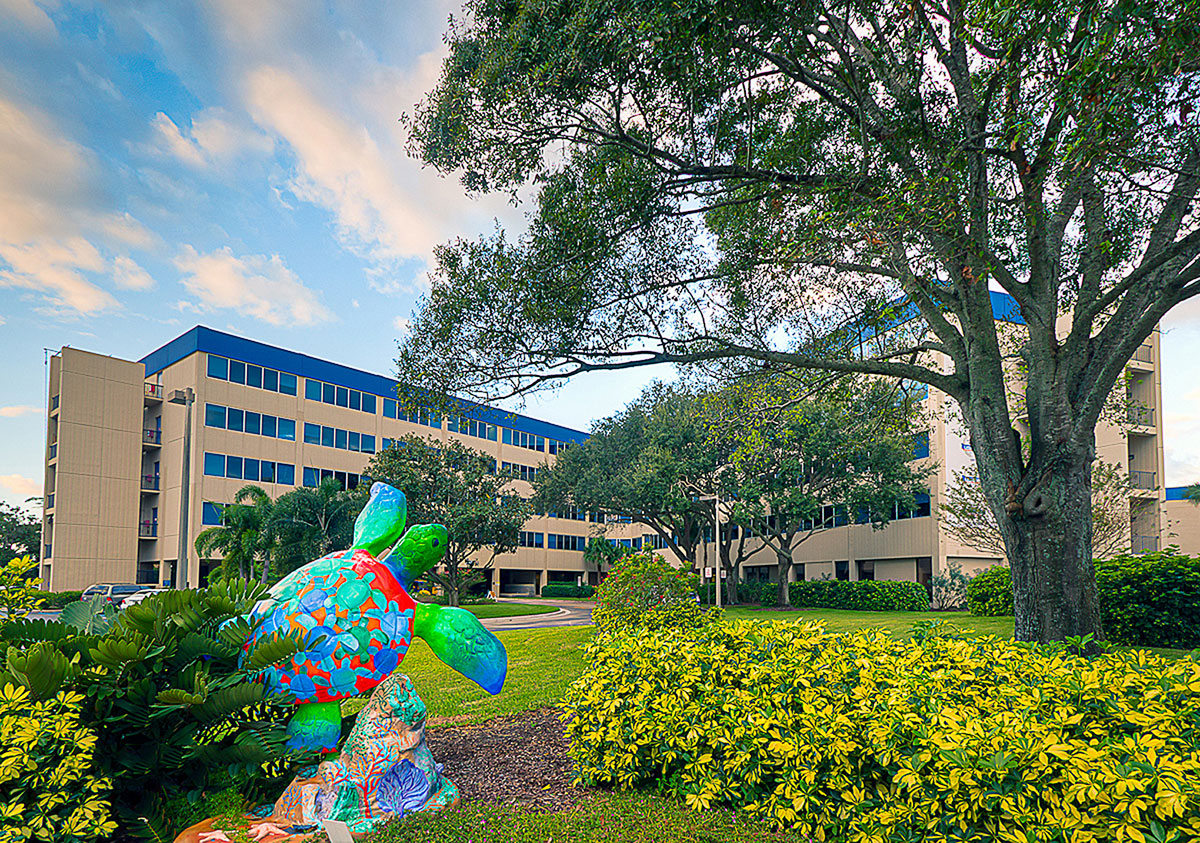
(335, 437)
(471, 427)
(339, 396)
(528, 539)
(393, 409)
(573, 513)
(245, 468)
(246, 421)
(235, 371)
(525, 472)
(523, 440)
(348, 479)
(556, 445)
(556, 541)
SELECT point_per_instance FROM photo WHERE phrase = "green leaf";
(273, 650)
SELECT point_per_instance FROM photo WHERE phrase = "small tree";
(20, 533)
(450, 484)
(244, 538)
(949, 587)
(601, 553)
(309, 523)
(966, 516)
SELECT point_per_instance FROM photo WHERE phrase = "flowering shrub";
(48, 789)
(860, 737)
(645, 591)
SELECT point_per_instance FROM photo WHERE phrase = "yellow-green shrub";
(866, 738)
(48, 788)
(644, 591)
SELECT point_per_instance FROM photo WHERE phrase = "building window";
(367, 443)
(921, 446)
(237, 371)
(530, 539)
(368, 403)
(342, 397)
(287, 383)
(312, 434)
(327, 437)
(210, 514)
(253, 423)
(339, 439)
(250, 469)
(389, 408)
(328, 391)
(254, 376)
(355, 442)
(266, 471)
(310, 477)
(233, 467)
(556, 541)
(270, 380)
(214, 415)
(235, 419)
(866, 569)
(218, 367)
(214, 465)
(270, 426)
(841, 570)
(287, 429)
(355, 399)
(312, 389)
(285, 473)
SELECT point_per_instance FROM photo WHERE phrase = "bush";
(644, 591)
(567, 590)
(862, 737)
(170, 693)
(990, 592)
(749, 593)
(48, 789)
(57, 599)
(860, 596)
(1152, 600)
(949, 587)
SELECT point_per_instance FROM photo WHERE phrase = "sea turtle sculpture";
(359, 620)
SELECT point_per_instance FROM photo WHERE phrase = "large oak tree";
(739, 184)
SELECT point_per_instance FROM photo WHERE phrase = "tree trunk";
(785, 571)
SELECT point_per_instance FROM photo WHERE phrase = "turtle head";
(421, 548)
(381, 523)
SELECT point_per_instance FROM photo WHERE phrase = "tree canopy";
(767, 185)
(458, 487)
(20, 533)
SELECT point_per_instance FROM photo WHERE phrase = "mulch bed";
(519, 760)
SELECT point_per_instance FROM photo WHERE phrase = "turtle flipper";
(382, 520)
(459, 639)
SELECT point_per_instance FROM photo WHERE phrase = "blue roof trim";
(211, 341)
(1175, 493)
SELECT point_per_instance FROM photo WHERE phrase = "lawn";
(627, 817)
(541, 664)
(506, 610)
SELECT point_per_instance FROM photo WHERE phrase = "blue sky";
(241, 165)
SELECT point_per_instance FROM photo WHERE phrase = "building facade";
(117, 461)
(1181, 525)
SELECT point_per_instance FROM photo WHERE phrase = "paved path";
(567, 613)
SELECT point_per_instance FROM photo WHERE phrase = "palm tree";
(244, 536)
(309, 523)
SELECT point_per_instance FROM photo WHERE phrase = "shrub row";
(57, 599)
(1150, 600)
(862, 596)
(567, 590)
(749, 593)
(861, 737)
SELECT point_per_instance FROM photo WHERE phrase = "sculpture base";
(384, 770)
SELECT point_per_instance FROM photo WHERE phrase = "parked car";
(139, 597)
(114, 592)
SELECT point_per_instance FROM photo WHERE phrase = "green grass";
(541, 664)
(636, 817)
(506, 610)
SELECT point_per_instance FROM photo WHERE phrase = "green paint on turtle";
(421, 548)
(382, 520)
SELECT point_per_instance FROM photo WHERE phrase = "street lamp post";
(717, 543)
(184, 397)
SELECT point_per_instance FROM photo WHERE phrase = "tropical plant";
(308, 523)
(858, 736)
(50, 789)
(842, 187)
(244, 537)
(458, 487)
(19, 594)
(170, 694)
(1192, 493)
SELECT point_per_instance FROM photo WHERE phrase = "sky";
(242, 165)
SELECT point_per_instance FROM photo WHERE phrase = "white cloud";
(30, 14)
(129, 276)
(254, 285)
(54, 216)
(20, 485)
(214, 138)
(402, 324)
(15, 410)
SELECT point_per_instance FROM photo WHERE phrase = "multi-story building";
(119, 454)
(915, 545)
(1181, 524)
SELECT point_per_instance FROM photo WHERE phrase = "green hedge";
(860, 596)
(749, 593)
(990, 592)
(861, 737)
(568, 590)
(1151, 600)
(58, 599)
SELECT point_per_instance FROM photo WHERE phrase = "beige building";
(1181, 522)
(116, 460)
(914, 546)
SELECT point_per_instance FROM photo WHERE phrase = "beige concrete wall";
(94, 473)
(1182, 526)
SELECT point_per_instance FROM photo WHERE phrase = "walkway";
(568, 613)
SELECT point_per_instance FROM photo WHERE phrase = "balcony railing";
(1144, 544)
(148, 530)
(1143, 479)
(1141, 416)
(154, 390)
(1145, 353)
(151, 437)
(149, 482)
